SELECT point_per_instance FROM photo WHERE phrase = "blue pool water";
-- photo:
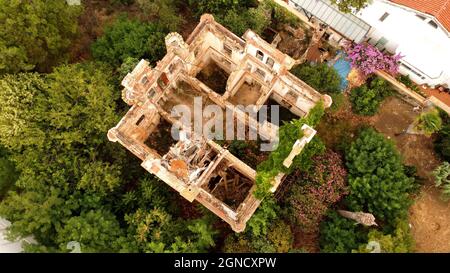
(343, 67)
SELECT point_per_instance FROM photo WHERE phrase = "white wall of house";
(419, 37)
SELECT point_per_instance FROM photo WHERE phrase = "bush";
(429, 122)
(289, 133)
(366, 99)
(377, 179)
(130, 38)
(340, 235)
(401, 241)
(279, 239)
(319, 76)
(35, 35)
(442, 179)
(8, 174)
(321, 187)
(165, 10)
(442, 141)
(406, 80)
(239, 21)
(219, 6)
(368, 59)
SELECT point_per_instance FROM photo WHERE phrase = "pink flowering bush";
(314, 192)
(368, 59)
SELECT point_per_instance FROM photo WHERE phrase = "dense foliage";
(377, 180)
(368, 59)
(165, 11)
(350, 5)
(366, 99)
(127, 38)
(35, 35)
(289, 133)
(314, 192)
(71, 185)
(400, 241)
(279, 238)
(429, 122)
(8, 173)
(340, 235)
(442, 179)
(320, 76)
(442, 140)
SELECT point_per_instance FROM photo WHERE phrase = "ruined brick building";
(200, 169)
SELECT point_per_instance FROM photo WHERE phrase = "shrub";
(340, 235)
(401, 241)
(369, 59)
(377, 179)
(442, 141)
(35, 35)
(429, 122)
(130, 38)
(321, 187)
(279, 239)
(165, 10)
(442, 179)
(239, 21)
(289, 133)
(320, 76)
(366, 99)
(406, 80)
(8, 173)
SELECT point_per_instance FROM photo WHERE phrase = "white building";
(419, 30)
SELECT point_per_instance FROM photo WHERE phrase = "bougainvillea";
(368, 59)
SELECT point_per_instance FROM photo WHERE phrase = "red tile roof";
(438, 8)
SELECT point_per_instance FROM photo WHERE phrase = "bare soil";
(429, 216)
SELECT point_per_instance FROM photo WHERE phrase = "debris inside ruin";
(224, 70)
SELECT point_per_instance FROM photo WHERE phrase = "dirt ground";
(429, 216)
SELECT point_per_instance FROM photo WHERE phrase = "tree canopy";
(377, 180)
(320, 76)
(127, 38)
(350, 5)
(35, 34)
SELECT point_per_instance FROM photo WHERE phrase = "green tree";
(8, 173)
(71, 110)
(265, 214)
(319, 76)
(442, 179)
(442, 140)
(340, 235)
(219, 6)
(401, 241)
(74, 105)
(279, 239)
(130, 38)
(35, 34)
(377, 180)
(165, 10)
(350, 5)
(157, 231)
(366, 99)
(239, 21)
(95, 230)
